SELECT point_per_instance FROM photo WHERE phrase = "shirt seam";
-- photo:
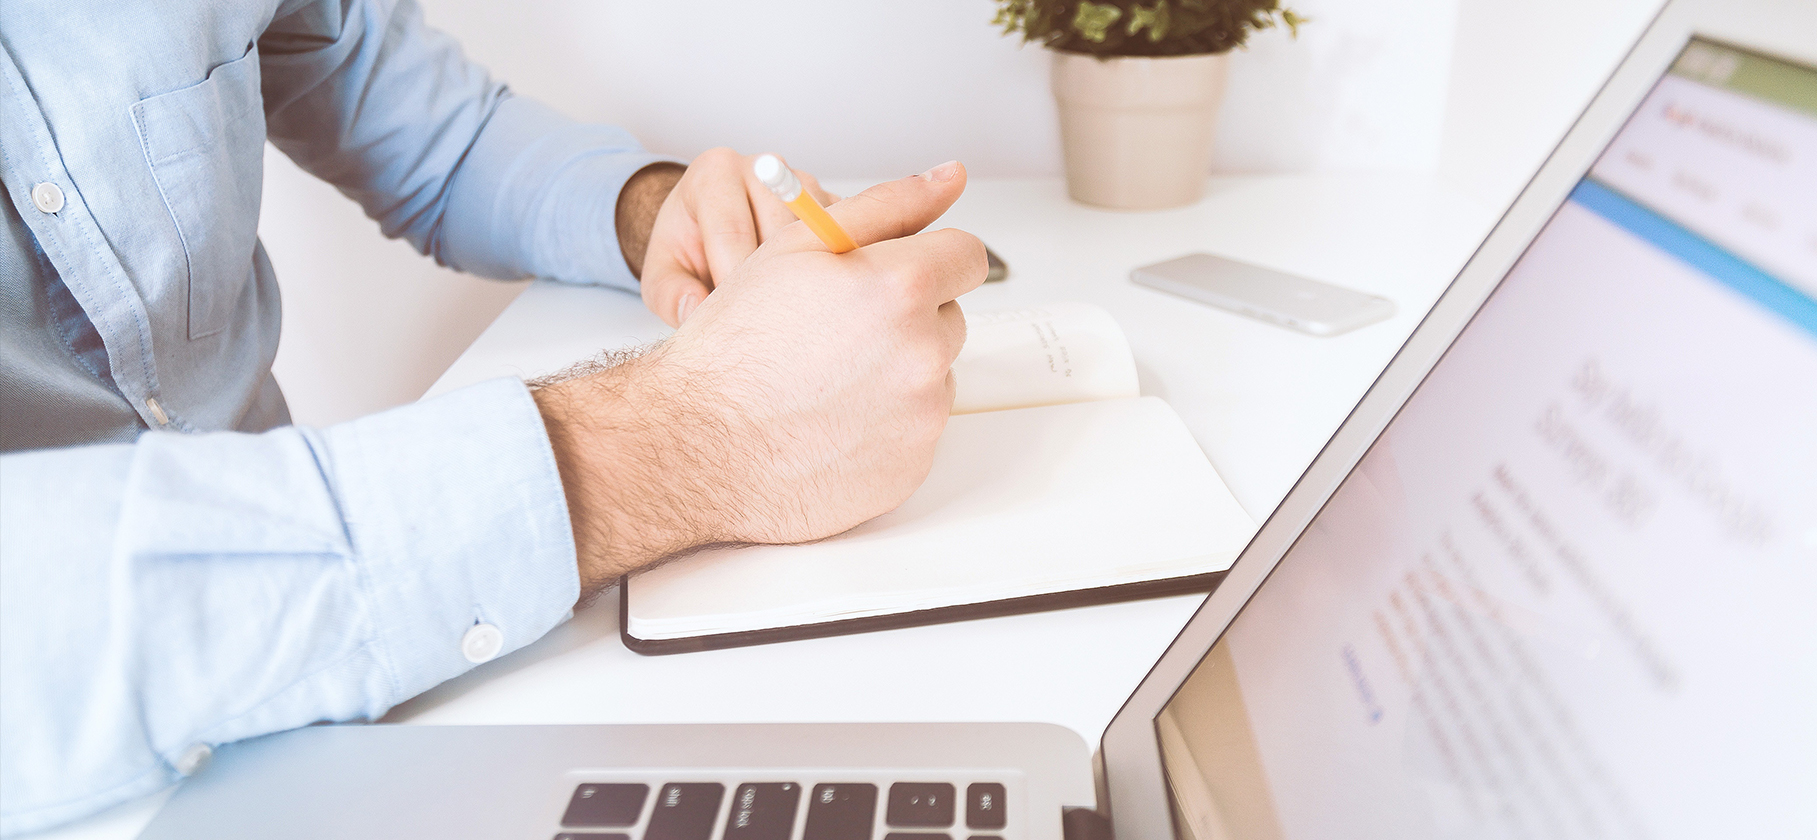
(63, 334)
(362, 577)
(381, 652)
(151, 167)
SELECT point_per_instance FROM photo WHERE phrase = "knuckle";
(968, 247)
(936, 408)
(720, 155)
(902, 289)
(927, 355)
(933, 363)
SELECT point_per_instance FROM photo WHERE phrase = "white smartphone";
(1263, 293)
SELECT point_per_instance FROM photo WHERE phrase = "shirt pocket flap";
(191, 118)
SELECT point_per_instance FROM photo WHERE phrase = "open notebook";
(1053, 485)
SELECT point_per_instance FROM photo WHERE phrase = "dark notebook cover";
(1188, 584)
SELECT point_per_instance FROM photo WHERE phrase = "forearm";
(202, 589)
(635, 451)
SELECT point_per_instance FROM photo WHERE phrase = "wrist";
(621, 444)
(638, 203)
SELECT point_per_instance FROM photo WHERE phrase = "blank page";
(1024, 502)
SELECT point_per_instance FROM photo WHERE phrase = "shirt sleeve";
(191, 590)
(364, 95)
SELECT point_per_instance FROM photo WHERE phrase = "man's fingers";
(936, 266)
(670, 290)
(722, 211)
(895, 209)
(952, 327)
(812, 185)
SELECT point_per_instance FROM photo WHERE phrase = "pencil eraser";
(781, 181)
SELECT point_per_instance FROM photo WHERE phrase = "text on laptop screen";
(1571, 591)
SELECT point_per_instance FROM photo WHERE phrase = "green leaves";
(1293, 22)
(1093, 20)
(1155, 20)
(1137, 28)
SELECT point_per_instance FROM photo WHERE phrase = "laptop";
(1553, 577)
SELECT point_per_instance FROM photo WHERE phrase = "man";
(182, 569)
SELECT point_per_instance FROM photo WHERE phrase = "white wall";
(1522, 73)
(878, 90)
(368, 322)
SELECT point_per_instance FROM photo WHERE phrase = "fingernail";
(943, 172)
(688, 302)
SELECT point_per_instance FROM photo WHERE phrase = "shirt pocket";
(205, 144)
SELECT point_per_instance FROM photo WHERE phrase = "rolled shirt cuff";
(537, 194)
(456, 511)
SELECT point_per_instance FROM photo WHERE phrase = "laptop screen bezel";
(1134, 784)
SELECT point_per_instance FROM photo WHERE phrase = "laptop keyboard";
(861, 809)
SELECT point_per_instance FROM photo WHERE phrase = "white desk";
(1262, 400)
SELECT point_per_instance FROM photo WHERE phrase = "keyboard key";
(984, 807)
(588, 835)
(763, 812)
(921, 805)
(685, 811)
(984, 837)
(908, 835)
(607, 806)
(841, 812)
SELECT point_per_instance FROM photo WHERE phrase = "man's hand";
(716, 214)
(803, 398)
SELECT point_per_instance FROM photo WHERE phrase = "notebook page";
(1045, 355)
(1022, 502)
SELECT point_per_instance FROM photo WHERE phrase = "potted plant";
(1138, 87)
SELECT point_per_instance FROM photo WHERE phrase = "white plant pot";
(1137, 131)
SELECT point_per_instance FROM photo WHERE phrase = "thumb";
(894, 209)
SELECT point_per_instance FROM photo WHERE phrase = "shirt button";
(193, 759)
(47, 197)
(157, 411)
(482, 642)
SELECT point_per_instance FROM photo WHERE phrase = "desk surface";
(1261, 400)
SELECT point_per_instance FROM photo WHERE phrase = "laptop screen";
(1571, 590)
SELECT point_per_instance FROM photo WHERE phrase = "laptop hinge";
(1084, 824)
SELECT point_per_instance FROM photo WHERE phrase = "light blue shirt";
(225, 575)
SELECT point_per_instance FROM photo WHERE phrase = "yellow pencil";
(787, 187)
